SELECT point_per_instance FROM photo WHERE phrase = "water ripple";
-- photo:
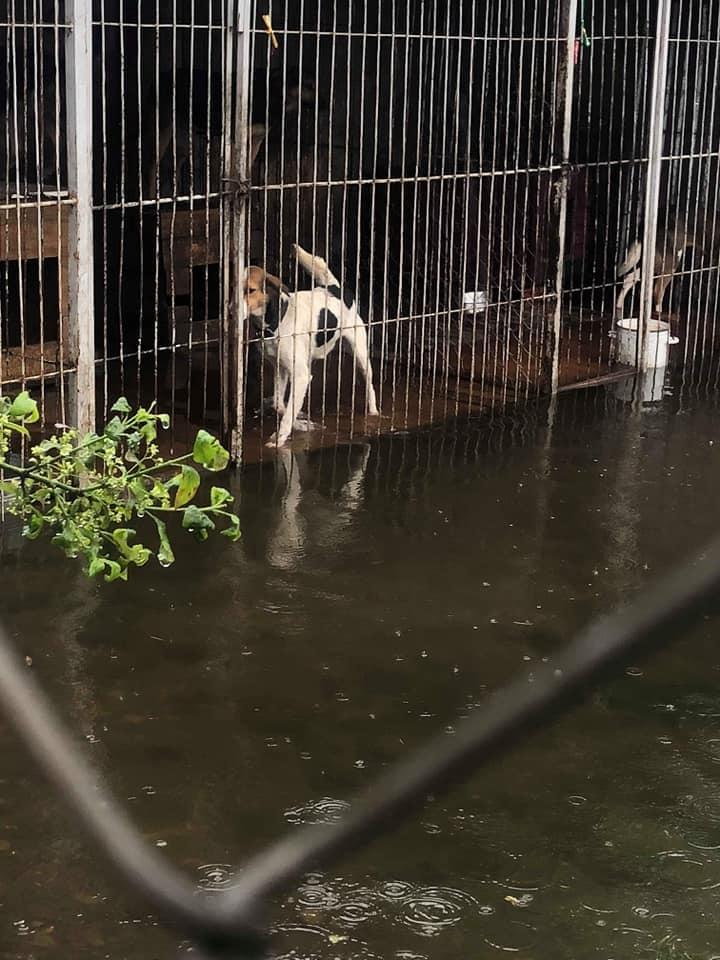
(318, 897)
(682, 867)
(513, 937)
(426, 910)
(324, 810)
(430, 909)
(216, 876)
(394, 890)
(359, 909)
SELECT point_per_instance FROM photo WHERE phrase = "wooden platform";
(32, 231)
(189, 239)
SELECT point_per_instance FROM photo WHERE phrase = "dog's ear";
(274, 285)
(275, 310)
(277, 302)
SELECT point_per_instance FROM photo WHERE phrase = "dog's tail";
(316, 267)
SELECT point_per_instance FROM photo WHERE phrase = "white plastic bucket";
(648, 387)
(657, 342)
(475, 301)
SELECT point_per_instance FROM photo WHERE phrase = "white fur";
(293, 346)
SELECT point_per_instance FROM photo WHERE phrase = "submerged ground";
(379, 593)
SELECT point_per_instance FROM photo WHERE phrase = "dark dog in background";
(186, 120)
(674, 239)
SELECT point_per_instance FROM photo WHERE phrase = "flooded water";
(380, 592)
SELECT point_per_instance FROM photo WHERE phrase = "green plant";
(87, 490)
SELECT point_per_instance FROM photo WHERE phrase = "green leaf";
(232, 531)
(208, 452)
(197, 522)
(137, 553)
(121, 537)
(92, 447)
(138, 490)
(96, 566)
(164, 419)
(133, 449)
(9, 486)
(121, 405)
(33, 527)
(165, 554)
(115, 571)
(24, 407)
(148, 431)
(219, 496)
(18, 428)
(67, 540)
(188, 483)
(114, 428)
(159, 492)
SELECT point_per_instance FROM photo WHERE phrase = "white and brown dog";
(298, 328)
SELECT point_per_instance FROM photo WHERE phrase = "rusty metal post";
(237, 97)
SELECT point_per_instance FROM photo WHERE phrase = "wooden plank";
(32, 363)
(29, 232)
(191, 239)
(34, 233)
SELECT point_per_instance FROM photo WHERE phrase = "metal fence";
(472, 174)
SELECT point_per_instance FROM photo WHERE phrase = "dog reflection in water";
(313, 514)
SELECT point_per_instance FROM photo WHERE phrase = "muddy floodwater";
(381, 592)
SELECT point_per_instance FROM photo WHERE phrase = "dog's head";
(263, 294)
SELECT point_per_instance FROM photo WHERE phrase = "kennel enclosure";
(474, 174)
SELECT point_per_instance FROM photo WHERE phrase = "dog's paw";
(304, 426)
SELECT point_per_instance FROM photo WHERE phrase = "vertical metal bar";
(191, 122)
(78, 79)
(236, 152)
(155, 192)
(174, 192)
(562, 188)
(104, 32)
(141, 122)
(654, 169)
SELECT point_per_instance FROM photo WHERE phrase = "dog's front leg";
(298, 392)
(280, 389)
(661, 285)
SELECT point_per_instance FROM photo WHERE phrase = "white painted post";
(237, 94)
(654, 170)
(78, 84)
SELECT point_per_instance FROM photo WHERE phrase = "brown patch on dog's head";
(259, 289)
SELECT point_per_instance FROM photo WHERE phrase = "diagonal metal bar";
(172, 894)
(659, 615)
(222, 924)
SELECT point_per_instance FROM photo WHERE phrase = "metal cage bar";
(654, 167)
